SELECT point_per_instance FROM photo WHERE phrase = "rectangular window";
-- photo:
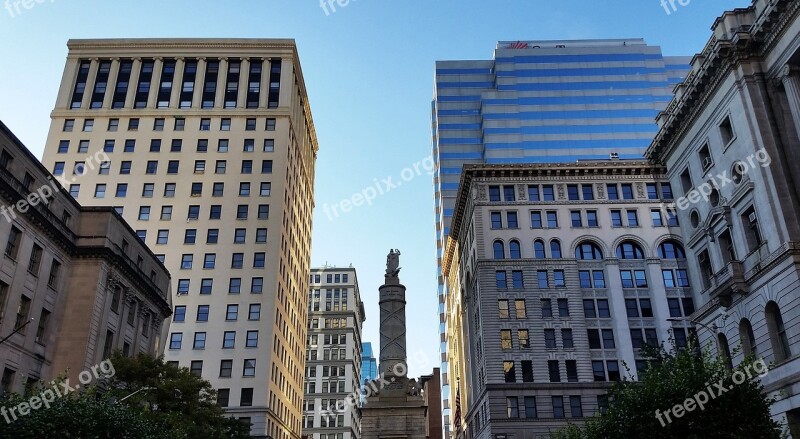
(35, 260)
(553, 371)
(512, 407)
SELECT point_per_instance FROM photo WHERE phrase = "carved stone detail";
(601, 191)
(561, 194)
(522, 192)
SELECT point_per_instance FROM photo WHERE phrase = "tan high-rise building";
(212, 151)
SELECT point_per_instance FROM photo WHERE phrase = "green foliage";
(145, 399)
(742, 412)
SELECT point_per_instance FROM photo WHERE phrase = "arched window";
(630, 250)
(777, 332)
(724, 350)
(555, 249)
(538, 249)
(514, 250)
(748, 339)
(499, 250)
(588, 250)
(671, 250)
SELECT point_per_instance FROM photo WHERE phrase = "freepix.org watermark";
(701, 398)
(329, 6)
(671, 6)
(57, 389)
(704, 191)
(379, 188)
(46, 191)
(17, 7)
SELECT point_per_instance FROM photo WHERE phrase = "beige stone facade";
(559, 274)
(731, 142)
(211, 151)
(78, 276)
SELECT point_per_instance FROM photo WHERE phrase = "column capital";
(787, 71)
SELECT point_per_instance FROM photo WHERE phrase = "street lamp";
(19, 328)
(114, 401)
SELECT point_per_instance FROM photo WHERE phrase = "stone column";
(71, 69)
(133, 83)
(199, 83)
(111, 85)
(264, 86)
(791, 84)
(222, 80)
(155, 83)
(177, 83)
(392, 302)
(244, 83)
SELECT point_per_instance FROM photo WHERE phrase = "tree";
(144, 398)
(685, 394)
(172, 395)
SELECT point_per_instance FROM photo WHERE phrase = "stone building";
(731, 141)
(333, 355)
(76, 283)
(558, 274)
(211, 152)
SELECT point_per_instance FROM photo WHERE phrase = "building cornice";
(740, 36)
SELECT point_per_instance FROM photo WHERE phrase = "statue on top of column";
(393, 263)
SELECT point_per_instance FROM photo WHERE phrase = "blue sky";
(369, 71)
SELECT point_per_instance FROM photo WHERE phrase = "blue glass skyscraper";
(543, 101)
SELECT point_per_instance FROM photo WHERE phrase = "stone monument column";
(392, 302)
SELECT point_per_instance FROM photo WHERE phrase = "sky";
(369, 68)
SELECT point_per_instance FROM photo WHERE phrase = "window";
(266, 166)
(209, 260)
(186, 261)
(250, 124)
(505, 339)
(212, 236)
(261, 235)
(166, 213)
(633, 218)
(588, 192)
(499, 250)
(541, 278)
(79, 168)
(558, 407)
(100, 191)
(627, 191)
(255, 312)
(175, 340)
(572, 192)
(616, 218)
(202, 313)
(249, 368)
(232, 313)
(172, 166)
(179, 315)
(572, 371)
(69, 125)
(35, 260)
(202, 145)
(130, 145)
(183, 286)
(225, 368)
(147, 190)
(241, 211)
(144, 213)
(205, 124)
(259, 259)
(555, 249)
(163, 237)
(152, 167)
(522, 337)
(196, 367)
(547, 308)
(686, 181)
(158, 124)
(547, 193)
(180, 124)
(514, 250)
(52, 280)
(726, 131)
(58, 168)
(747, 337)
(752, 231)
(244, 189)
(658, 219)
(246, 400)
(63, 147)
(591, 218)
(494, 193)
(563, 308)
(553, 371)
(199, 340)
(269, 145)
(550, 338)
(778, 336)
(575, 216)
(190, 236)
(671, 250)
(588, 251)
(88, 125)
(270, 126)
(509, 372)
(512, 407)
(503, 308)
(194, 212)
(536, 220)
(511, 220)
(500, 280)
(197, 189)
(527, 371)
(575, 406)
(263, 211)
(552, 219)
(612, 190)
(225, 124)
(215, 212)
(533, 193)
(629, 250)
(538, 249)
(222, 145)
(228, 339)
